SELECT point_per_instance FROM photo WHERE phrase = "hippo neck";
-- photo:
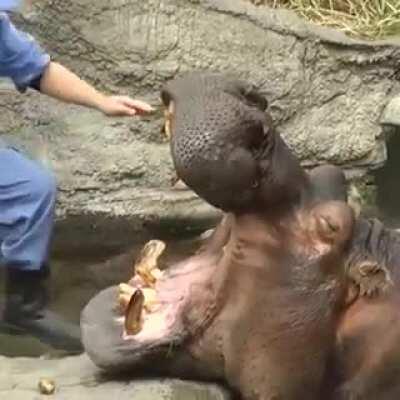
(257, 267)
(261, 266)
(273, 221)
(256, 238)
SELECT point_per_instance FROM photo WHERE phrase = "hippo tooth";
(125, 293)
(157, 273)
(150, 299)
(133, 315)
(147, 262)
(126, 289)
(168, 116)
(123, 301)
(147, 277)
(167, 124)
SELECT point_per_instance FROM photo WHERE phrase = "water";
(78, 277)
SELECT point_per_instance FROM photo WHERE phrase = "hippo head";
(224, 145)
(266, 290)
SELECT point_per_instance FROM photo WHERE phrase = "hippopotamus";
(268, 303)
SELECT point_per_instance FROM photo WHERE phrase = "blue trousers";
(27, 202)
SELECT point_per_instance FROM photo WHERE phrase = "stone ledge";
(76, 378)
(391, 113)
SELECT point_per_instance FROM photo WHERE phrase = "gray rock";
(76, 378)
(327, 93)
(391, 113)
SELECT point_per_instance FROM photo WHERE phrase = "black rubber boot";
(26, 311)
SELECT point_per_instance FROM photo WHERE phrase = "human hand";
(115, 106)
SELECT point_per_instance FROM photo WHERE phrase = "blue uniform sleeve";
(21, 58)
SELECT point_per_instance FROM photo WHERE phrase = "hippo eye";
(326, 229)
(255, 184)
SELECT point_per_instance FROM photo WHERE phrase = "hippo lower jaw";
(153, 325)
(122, 330)
(108, 345)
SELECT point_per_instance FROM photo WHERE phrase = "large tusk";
(148, 262)
(133, 315)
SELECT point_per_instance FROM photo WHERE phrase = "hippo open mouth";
(147, 316)
(152, 303)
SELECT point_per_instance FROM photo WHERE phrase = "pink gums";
(173, 290)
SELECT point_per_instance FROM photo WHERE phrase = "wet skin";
(260, 304)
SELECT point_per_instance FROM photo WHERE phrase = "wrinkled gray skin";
(275, 276)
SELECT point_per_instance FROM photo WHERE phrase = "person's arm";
(62, 84)
(22, 60)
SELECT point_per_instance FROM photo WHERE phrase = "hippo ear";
(370, 277)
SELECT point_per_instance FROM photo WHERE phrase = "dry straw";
(369, 19)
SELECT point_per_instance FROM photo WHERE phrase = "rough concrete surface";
(391, 114)
(76, 378)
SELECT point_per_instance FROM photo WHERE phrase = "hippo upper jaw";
(225, 148)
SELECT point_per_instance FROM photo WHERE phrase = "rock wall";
(327, 94)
